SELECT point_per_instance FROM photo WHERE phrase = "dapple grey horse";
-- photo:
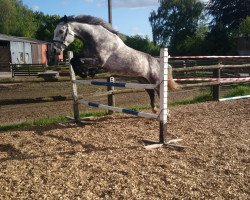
(102, 43)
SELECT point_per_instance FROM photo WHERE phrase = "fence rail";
(214, 83)
(27, 69)
(209, 67)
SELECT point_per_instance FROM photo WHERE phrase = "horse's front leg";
(151, 94)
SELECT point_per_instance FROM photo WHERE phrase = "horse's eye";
(61, 31)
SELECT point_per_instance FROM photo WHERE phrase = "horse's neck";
(98, 40)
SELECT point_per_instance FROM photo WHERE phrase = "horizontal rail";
(26, 72)
(204, 84)
(38, 65)
(200, 57)
(127, 85)
(209, 67)
(246, 79)
(235, 98)
(119, 92)
(121, 110)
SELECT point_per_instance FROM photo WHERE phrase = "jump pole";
(235, 98)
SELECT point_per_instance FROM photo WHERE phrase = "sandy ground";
(4, 75)
(106, 160)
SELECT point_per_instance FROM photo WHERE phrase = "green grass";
(240, 90)
(47, 121)
(198, 99)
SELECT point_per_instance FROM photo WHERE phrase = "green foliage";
(193, 45)
(7, 16)
(142, 44)
(47, 121)
(16, 19)
(174, 21)
(197, 99)
(230, 13)
(46, 25)
(241, 90)
(218, 41)
(76, 47)
(227, 15)
(244, 28)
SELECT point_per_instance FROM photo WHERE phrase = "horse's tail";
(172, 85)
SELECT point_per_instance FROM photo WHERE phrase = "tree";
(46, 25)
(26, 25)
(244, 28)
(16, 19)
(226, 18)
(218, 42)
(229, 13)
(196, 44)
(76, 47)
(174, 21)
(7, 16)
(142, 44)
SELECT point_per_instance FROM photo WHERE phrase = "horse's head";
(63, 35)
(91, 30)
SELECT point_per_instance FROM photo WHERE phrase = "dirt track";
(106, 160)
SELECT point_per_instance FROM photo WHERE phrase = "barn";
(19, 50)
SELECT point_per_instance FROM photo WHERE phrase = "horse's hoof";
(168, 113)
(154, 110)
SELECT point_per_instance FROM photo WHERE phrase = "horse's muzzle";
(57, 51)
(58, 47)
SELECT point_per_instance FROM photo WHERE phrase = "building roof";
(20, 39)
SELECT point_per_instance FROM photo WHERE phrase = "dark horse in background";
(104, 46)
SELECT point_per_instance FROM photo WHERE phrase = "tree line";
(194, 27)
(18, 20)
(186, 27)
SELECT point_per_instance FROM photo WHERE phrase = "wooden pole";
(111, 96)
(74, 90)
(110, 11)
(216, 88)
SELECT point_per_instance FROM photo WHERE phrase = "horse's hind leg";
(151, 94)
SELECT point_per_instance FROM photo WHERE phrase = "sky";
(130, 17)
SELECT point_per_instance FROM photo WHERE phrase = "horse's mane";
(87, 19)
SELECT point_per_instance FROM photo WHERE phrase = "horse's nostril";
(57, 51)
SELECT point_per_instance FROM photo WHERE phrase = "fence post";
(12, 69)
(74, 89)
(111, 97)
(163, 95)
(216, 88)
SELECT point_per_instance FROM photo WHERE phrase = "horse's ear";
(65, 19)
